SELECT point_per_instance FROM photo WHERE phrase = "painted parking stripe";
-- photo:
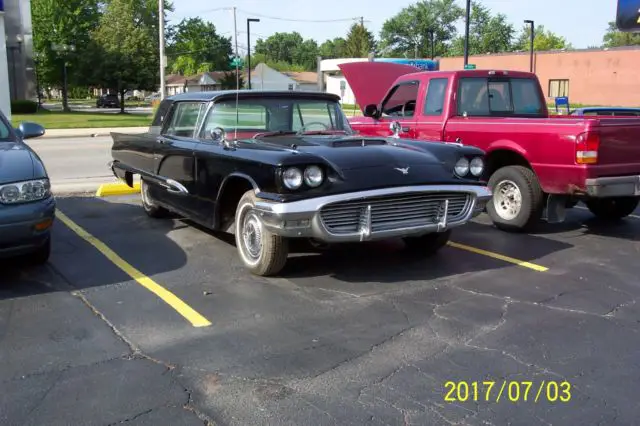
(168, 297)
(634, 216)
(499, 256)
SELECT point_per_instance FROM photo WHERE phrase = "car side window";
(402, 100)
(434, 101)
(184, 119)
(4, 130)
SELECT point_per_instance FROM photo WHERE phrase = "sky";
(582, 22)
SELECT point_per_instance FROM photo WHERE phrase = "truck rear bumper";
(616, 186)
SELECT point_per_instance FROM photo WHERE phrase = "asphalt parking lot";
(168, 328)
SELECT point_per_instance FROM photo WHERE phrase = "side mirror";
(28, 130)
(371, 110)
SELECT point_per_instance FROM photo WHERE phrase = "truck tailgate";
(619, 150)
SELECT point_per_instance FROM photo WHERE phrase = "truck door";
(431, 117)
(399, 106)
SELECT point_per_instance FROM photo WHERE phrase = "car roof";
(209, 96)
(219, 94)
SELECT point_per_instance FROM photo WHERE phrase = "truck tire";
(612, 208)
(429, 244)
(150, 208)
(518, 201)
(261, 251)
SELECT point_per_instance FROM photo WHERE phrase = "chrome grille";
(394, 211)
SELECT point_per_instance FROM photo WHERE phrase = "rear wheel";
(148, 204)
(428, 244)
(261, 251)
(612, 208)
(518, 200)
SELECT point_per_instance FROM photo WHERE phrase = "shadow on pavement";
(141, 241)
(578, 219)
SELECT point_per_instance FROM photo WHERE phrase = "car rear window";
(482, 97)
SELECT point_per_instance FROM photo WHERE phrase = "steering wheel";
(404, 106)
(304, 128)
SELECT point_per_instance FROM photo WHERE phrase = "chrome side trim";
(176, 187)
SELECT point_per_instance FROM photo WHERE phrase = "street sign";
(470, 67)
(237, 62)
(1, 5)
(628, 15)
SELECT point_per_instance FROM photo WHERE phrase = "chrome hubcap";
(145, 193)
(252, 235)
(507, 199)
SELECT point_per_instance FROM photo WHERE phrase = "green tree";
(280, 46)
(409, 32)
(487, 33)
(333, 48)
(125, 46)
(194, 47)
(616, 38)
(58, 24)
(359, 42)
(230, 79)
(542, 40)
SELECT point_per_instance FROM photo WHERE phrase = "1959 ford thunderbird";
(269, 166)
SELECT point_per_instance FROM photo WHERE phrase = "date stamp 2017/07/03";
(512, 391)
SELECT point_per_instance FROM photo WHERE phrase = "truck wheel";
(261, 251)
(612, 208)
(150, 208)
(518, 200)
(428, 244)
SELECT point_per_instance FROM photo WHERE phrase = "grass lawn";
(78, 120)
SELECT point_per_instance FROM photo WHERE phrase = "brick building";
(607, 77)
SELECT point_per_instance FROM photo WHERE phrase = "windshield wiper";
(276, 133)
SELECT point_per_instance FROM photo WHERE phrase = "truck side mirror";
(371, 110)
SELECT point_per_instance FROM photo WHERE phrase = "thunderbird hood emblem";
(404, 171)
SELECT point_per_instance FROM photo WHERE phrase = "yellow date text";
(511, 391)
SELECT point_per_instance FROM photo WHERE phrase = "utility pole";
(466, 33)
(249, 21)
(161, 36)
(362, 21)
(531, 37)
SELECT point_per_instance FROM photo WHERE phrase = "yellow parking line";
(499, 256)
(171, 299)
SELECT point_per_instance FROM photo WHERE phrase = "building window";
(558, 88)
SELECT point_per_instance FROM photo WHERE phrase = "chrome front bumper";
(616, 186)
(302, 219)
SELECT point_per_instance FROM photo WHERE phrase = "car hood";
(17, 162)
(370, 81)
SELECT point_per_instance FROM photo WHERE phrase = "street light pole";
(249, 20)
(161, 37)
(466, 33)
(531, 36)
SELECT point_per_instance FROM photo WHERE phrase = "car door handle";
(160, 139)
(406, 129)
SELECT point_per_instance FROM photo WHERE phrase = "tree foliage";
(408, 33)
(616, 38)
(543, 39)
(359, 42)
(194, 46)
(487, 33)
(333, 48)
(290, 48)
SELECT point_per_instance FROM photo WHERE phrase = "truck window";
(482, 97)
(184, 119)
(435, 96)
(401, 102)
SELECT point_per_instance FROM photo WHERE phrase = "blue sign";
(1, 5)
(423, 64)
(562, 101)
(628, 15)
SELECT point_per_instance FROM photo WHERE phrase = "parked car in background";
(27, 207)
(108, 101)
(607, 111)
(273, 166)
(534, 162)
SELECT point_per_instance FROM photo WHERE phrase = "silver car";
(27, 207)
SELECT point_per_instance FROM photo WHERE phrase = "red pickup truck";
(537, 164)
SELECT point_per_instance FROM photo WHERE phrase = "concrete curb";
(91, 132)
(109, 189)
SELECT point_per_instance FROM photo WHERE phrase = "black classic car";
(268, 166)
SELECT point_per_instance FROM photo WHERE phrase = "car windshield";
(483, 97)
(281, 115)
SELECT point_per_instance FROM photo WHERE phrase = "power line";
(298, 20)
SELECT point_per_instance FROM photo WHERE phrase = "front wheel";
(518, 201)
(612, 208)
(261, 251)
(428, 244)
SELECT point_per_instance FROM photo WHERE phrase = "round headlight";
(462, 167)
(313, 176)
(292, 178)
(10, 194)
(476, 166)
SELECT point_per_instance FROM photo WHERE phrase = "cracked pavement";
(356, 335)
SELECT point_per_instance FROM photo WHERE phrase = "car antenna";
(237, 61)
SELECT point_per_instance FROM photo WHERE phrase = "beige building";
(608, 77)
